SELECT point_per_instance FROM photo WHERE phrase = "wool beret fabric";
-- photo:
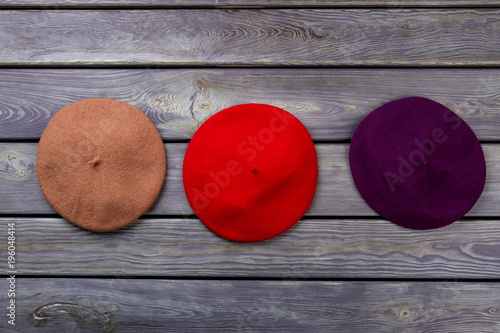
(417, 163)
(250, 172)
(100, 163)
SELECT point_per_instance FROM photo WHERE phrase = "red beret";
(100, 163)
(250, 172)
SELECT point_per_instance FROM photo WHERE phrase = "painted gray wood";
(324, 248)
(335, 195)
(116, 305)
(330, 102)
(251, 37)
(51, 4)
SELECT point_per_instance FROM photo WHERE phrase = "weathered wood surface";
(330, 102)
(50, 4)
(313, 248)
(251, 37)
(336, 193)
(116, 305)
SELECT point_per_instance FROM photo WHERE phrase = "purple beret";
(417, 163)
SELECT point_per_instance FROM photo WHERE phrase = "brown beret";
(100, 163)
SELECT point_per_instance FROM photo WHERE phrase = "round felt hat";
(417, 163)
(250, 172)
(100, 163)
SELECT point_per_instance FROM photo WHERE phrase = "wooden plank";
(335, 195)
(330, 102)
(50, 4)
(251, 37)
(324, 248)
(105, 305)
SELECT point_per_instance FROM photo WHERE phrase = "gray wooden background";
(342, 268)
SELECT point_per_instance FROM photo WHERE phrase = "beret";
(417, 163)
(250, 172)
(100, 163)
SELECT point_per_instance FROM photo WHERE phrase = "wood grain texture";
(251, 37)
(313, 248)
(116, 305)
(51, 4)
(329, 102)
(335, 195)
